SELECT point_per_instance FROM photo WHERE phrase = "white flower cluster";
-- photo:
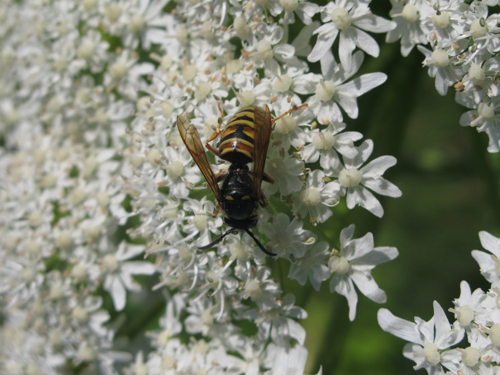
(66, 100)
(218, 58)
(433, 344)
(464, 40)
(90, 92)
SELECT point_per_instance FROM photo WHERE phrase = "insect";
(245, 139)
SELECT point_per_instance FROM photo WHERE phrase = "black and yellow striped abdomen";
(237, 139)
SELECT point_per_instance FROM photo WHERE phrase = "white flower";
(92, 51)
(180, 171)
(305, 11)
(429, 341)
(332, 90)
(353, 265)
(288, 130)
(486, 119)
(312, 265)
(145, 24)
(324, 145)
(442, 67)
(317, 198)
(348, 17)
(285, 172)
(202, 222)
(409, 25)
(261, 289)
(280, 323)
(468, 308)
(287, 238)
(118, 272)
(354, 179)
(489, 263)
(290, 361)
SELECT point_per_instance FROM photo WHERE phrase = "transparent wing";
(191, 139)
(262, 134)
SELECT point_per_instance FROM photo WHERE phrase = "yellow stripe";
(238, 122)
(229, 130)
(238, 140)
(250, 133)
(239, 150)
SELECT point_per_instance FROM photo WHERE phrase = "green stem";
(488, 174)
(330, 350)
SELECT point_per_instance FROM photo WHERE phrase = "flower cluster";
(203, 80)
(464, 44)
(66, 100)
(96, 177)
(433, 344)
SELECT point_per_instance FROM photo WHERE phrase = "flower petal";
(344, 286)
(398, 327)
(367, 285)
(490, 243)
(378, 166)
(383, 187)
(323, 44)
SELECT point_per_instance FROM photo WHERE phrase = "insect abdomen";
(237, 140)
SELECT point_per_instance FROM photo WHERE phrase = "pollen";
(200, 222)
(310, 197)
(325, 90)
(431, 354)
(110, 263)
(175, 170)
(253, 289)
(341, 18)
(289, 5)
(246, 98)
(486, 112)
(440, 58)
(265, 49)
(282, 83)
(85, 51)
(410, 12)
(323, 141)
(113, 12)
(118, 70)
(202, 91)
(137, 23)
(441, 19)
(349, 177)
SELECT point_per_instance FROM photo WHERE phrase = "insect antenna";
(259, 244)
(219, 239)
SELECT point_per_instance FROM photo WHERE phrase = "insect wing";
(191, 139)
(263, 129)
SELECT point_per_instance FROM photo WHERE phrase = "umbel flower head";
(433, 345)
(95, 174)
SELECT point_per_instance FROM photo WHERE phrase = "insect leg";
(217, 130)
(217, 209)
(259, 244)
(213, 149)
(288, 112)
(218, 239)
(267, 178)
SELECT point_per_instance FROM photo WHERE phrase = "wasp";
(245, 139)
